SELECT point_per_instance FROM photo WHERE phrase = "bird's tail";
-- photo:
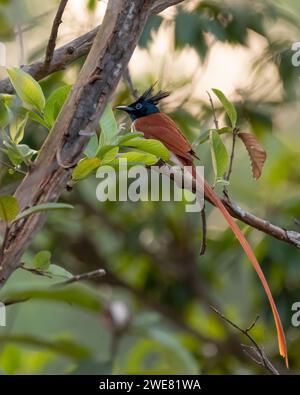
(209, 192)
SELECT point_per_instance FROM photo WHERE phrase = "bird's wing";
(161, 127)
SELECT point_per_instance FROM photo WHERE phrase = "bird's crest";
(148, 95)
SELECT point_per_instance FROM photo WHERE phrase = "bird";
(147, 118)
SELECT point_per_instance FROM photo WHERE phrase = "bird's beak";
(124, 108)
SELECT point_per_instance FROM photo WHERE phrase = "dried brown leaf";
(256, 152)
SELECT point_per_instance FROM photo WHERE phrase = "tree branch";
(109, 56)
(54, 31)
(72, 51)
(259, 353)
(288, 236)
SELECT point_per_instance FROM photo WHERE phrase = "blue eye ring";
(138, 106)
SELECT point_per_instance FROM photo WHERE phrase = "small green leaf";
(55, 103)
(109, 127)
(8, 100)
(135, 158)
(43, 207)
(151, 146)
(205, 135)
(85, 167)
(228, 106)
(219, 154)
(92, 147)
(9, 208)
(4, 115)
(59, 271)
(37, 118)
(110, 155)
(42, 260)
(27, 88)
(17, 129)
(122, 138)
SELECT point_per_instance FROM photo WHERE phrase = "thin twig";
(128, 80)
(234, 136)
(262, 358)
(216, 122)
(85, 276)
(38, 272)
(204, 231)
(54, 31)
(14, 168)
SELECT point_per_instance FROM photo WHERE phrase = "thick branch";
(109, 56)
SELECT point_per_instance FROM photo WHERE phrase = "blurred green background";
(151, 312)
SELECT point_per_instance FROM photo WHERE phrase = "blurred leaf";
(6, 30)
(59, 271)
(9, 208)
(55, 103)
(188, 31)
(76, 295)
(151, 146)
(27, 88)
(4, 115)
(85, 167)
(93, 367)
(151, 26)
(256, 152)
(219, 154)
(44, 207)
(228, 106)
(205, 136)
(61, 346)
(42, 260)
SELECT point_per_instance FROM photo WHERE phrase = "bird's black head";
(145, 104)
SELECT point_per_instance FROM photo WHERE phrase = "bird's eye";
(138, 106)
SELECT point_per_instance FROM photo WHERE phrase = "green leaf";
(228, 106)
(17, 129)
(43, 207)
(109, 127)
(59, 271)
(134, 158)
(76, 295)
(186, 360)
(9, 208)
(110, 155)
(27, 88)
(8, 100)
(122, 138)
(92, 147)
(151, 146)
(219, 154)
(64, 347)
(42, 260)
(37, 118)
(55, 103)
(205, 135)
(85, 167)
(4, 115)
